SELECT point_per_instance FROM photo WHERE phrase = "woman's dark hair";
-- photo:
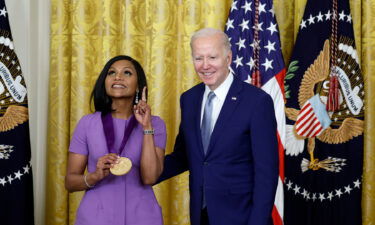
(102, 102)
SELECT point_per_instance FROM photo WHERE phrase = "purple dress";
(116, 200)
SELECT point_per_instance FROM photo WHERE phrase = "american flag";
(252, 24)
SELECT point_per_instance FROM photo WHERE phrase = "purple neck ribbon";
(109, 132)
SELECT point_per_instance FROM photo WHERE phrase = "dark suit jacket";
(239, 173)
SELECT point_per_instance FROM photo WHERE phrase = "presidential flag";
(257, 59)
(323, 163)
(16, 187)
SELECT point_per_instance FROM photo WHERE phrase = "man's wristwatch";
(152, 131)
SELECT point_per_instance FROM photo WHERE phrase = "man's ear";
(229, 58)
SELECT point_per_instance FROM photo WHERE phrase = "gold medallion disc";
(122, 167)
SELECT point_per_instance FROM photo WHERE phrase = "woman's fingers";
(141, 108)
(107, 161)
(144, 94)
(110, 158)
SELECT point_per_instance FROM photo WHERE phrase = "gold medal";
(122, 167)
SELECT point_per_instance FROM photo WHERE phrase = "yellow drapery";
(85, 34)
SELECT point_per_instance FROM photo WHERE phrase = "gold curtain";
(85, 34)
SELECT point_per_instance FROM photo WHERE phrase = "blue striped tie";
(207, 121)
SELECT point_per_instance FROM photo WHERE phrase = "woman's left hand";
(142, 112)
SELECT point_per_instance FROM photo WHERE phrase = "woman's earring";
(136, 97)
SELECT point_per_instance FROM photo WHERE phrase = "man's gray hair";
(207, 32)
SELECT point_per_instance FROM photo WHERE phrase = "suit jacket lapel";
(197, 117)
(229, 106)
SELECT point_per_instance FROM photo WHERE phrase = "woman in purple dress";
(120, 132)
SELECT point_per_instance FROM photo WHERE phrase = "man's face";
(211, 60)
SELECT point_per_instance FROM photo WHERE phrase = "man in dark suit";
(227, 140)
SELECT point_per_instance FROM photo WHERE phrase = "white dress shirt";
(220, 95)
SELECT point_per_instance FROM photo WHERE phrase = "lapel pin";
(234, 98)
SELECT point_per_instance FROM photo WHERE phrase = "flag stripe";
(281, 157)
(315, 126)
(309, 125)
(305, 120)
(317, 132)
(304, 116)
(274, 90)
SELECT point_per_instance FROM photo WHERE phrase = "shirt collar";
(221, 91)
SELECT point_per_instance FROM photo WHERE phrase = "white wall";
(29, 22)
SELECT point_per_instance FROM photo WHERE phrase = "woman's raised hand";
(142, 112)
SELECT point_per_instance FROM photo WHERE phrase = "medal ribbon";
(109, 132)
